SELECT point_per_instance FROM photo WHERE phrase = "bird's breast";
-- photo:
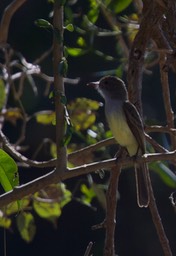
(120, 129)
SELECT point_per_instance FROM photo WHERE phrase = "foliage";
(102, 23)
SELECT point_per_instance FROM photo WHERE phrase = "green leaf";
(70, 27)
(46, 208)
(2, 93)
(82, 113)
(43, 23)
(75, 52)
(119, 5)
(14, 207)
(167, 176)
(88, 194)
(45, 117)
(81, 41)
(4, 221)
(8, 172)
(26, 226)
(94, 11)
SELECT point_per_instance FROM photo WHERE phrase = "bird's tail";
(142, 184)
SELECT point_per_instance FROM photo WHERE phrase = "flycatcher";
(127, 127)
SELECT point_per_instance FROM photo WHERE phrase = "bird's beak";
(94, 85)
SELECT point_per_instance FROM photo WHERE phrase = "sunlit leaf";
(88, 194)
(15, 207)
(8, 172)
(81, 41)
(119, 5)
(4, 221)
(69, 27)
(45, 117)
(2, 93)
(82, 113)
(46, 208)
(26, 226)
(167, 176)
(75, 52)
(12, 115)
(66, 195)
(94, 11)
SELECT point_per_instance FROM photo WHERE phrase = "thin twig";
(158, 224)
(88, 249)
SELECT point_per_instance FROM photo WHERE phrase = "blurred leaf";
(45, 117)
(53, 149)
(48, 202)
(82, 113)
(104, 56)
(12, 115)
(4, 221)
(75, 52)
(66, 195)
(43, 23)
(2, 93)
(119, 5)
(81, 41)
(100, 194)
(119, 71)
(26, 226)
(88, 194)
(94, 11)
(14, 207)
(8, 172)
(47, 210)
(69, 27)
(167, 176)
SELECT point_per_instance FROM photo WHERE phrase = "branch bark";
(6, 19)
(59, 87)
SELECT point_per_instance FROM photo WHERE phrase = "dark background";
(136, 234)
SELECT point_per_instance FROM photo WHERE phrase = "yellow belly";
(122, 133)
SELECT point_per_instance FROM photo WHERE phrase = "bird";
(127, 128)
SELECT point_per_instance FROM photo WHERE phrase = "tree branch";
(111, 206)
(53, 177)
(59, 86)
(6, 19)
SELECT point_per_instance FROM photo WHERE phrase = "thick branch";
(53, 177)
(59, 86)
(6, 19)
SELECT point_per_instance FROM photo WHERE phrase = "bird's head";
(111, 87)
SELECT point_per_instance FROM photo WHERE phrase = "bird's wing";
(135, 123)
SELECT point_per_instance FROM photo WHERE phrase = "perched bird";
(127, 128)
